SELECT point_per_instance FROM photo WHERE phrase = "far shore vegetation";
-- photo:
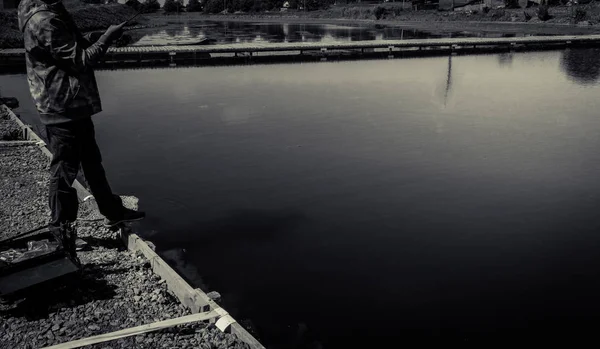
(95, 15)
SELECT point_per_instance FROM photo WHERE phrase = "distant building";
(8, 4)
(446, 5)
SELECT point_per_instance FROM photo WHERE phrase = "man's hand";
(93, 37)
(114, 32)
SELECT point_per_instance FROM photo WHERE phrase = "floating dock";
(264, 52)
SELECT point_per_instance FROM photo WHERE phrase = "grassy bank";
(87, 17)
(430, 21)
(588, 14)
(584, 15)
(578, 19)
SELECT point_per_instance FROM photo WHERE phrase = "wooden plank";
(194, 299)
(182, 290)
(134, 331)
(17, 143)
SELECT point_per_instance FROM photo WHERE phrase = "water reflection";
(239, 32)
(505, 59)
(455, 144)
(581, 65)
(448, 81)
(173, 31)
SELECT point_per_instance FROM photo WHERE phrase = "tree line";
(217, 6)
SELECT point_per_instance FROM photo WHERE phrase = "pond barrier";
(186, 55)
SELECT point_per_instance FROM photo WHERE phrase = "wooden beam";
(182, 290)
(17, 143)
(134, 331)
(195, 299)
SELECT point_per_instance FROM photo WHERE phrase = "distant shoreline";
(478, 26)
(509, 21)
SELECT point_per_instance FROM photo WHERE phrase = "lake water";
(188, 32)
(340, 205)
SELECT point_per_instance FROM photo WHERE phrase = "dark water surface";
(346, 203)
(245, 32)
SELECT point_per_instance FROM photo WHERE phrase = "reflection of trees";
(400, 33)
(296, 32)
(505, 59)
(181, 31)
(197, 32)
(581, 65)
(239, 32)
(275, 30)
(136, 35)
(307, 32)
(172, 31)
(360, 35)
(393, 33)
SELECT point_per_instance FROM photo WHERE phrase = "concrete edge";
(16, 143)
(194, 299)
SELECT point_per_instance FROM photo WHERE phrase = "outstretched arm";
(70, 52)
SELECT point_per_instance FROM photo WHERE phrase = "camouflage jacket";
(59, 63)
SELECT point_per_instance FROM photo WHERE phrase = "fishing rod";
(134, 16)
(142, 9)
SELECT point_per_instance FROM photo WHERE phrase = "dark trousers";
(73, 144)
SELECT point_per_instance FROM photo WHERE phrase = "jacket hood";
(28, 8)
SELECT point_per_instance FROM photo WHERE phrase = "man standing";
(63, 86)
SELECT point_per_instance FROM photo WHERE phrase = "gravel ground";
(23, 188)
(9, 131)
(116, 290)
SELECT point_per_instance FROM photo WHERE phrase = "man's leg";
(91, 161)
(63, 170)
(109, 204)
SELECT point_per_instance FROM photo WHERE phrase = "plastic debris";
(34, 249)
(10, 255)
